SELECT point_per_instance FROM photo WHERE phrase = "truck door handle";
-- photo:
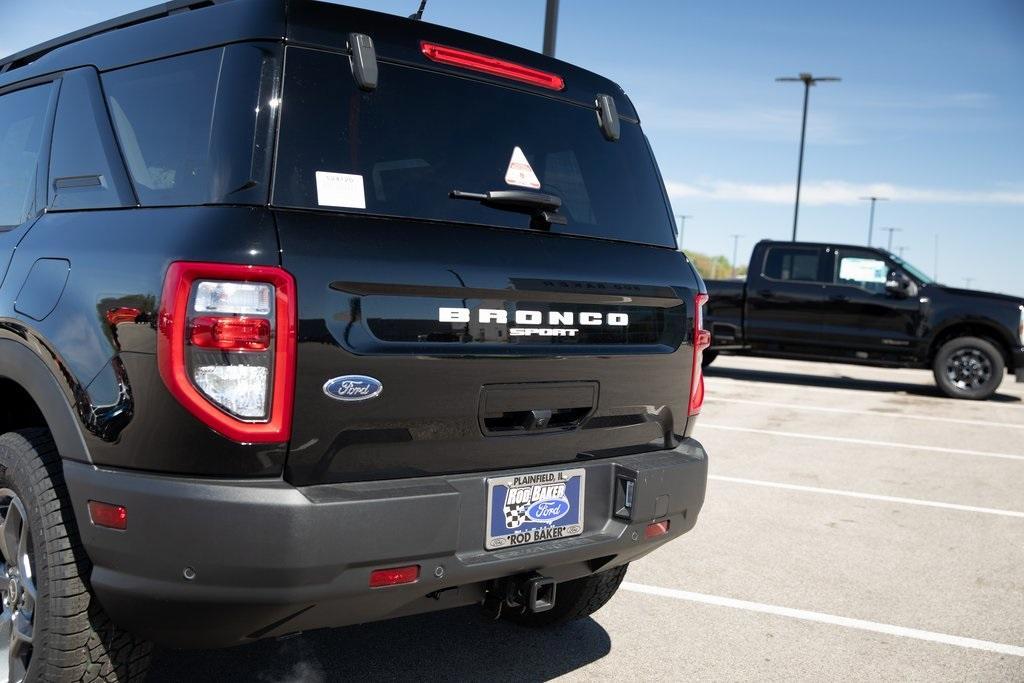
(839, 299)
(765, 293)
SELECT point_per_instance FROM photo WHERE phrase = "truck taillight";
(226, 347)
(701, 341)
(1020, 327)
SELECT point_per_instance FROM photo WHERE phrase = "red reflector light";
(701, 341)
(108, 515)
(231, 334)
(491, 65)
(655, 529)
(394, 576)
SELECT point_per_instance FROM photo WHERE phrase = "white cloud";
(835, 192)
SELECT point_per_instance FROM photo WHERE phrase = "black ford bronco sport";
(313, 316)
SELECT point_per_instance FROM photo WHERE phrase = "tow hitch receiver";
(529, 593)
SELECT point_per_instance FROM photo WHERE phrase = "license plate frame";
(518, 519)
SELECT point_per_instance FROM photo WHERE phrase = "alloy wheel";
(17, 587)
(969, 368)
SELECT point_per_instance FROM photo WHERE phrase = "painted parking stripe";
(823, 618)
(869, 496)
(711, 380)
(870, 413)
(864, 442)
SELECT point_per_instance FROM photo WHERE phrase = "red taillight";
(230, 334)
(108, 515)
(491, 65)
(701, 341)
(226, 347)
(394, 576)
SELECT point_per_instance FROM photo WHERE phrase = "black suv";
(313, 316)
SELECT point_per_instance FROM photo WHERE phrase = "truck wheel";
(52, 627)
(968, 367)
(575, 599)
(707, 358)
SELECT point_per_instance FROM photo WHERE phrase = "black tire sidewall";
(17, 461)
(986, 347)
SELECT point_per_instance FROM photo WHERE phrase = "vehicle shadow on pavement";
(774, 377)
(455, 645)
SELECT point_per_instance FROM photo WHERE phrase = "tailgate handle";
(532, 408)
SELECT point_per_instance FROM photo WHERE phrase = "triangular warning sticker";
(519, 171)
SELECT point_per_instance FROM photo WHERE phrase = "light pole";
(871, 217)
(808, 80)
(901, 250)
(935, 270)
(682, 226)
(968, 281)
(891, 231)
(550, 27)
(735, 248)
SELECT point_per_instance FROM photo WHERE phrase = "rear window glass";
(794, 263)
(401, 149)
(191, 128)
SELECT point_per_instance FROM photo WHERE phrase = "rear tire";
(969, 368)
(575, 599)
(707, 358)
(45, 570)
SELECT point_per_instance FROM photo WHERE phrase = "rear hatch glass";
(401, 149)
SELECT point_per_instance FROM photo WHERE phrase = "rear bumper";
(1018, 364)
(271, 559)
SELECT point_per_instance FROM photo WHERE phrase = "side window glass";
(793, 263)
(188, 126)
(23, 120)
(863, 270)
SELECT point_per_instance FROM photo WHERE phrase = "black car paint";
(839, 322)
(87, 360)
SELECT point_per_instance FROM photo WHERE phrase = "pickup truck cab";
(853, 304)
(312, 316)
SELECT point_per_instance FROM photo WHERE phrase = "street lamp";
(891, 231)
(900, 250)
(735, 247)
(871, 218)
(968, 281)
(808, 80)
(550, 27)
(682, 225)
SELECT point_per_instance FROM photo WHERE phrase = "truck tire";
(707, 358)
(969, 368)
(52, 627)
(575, 599)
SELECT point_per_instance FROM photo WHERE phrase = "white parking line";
(711, 380)
(869, 496)
(871, 413)
(822, 618)
(865, 442)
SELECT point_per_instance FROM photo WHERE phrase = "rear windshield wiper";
(542, 208)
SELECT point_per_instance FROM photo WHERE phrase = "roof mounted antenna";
(418, 14)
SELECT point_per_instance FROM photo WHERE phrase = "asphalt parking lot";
(857, 526)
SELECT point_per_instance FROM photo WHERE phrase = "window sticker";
(862, 270)
(519, 172)
(340, 189)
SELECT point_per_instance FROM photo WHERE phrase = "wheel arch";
(971, 328)
(30, 396)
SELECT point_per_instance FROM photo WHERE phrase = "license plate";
(530, 508)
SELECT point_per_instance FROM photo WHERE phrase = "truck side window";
(793, 263)
(23, 123)
(862, 269)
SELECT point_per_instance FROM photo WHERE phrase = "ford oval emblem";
(353, 388)
(548, 511)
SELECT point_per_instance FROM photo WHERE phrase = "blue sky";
(930, 111)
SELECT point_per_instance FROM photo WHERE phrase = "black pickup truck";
(851, 304)
(313, 316)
